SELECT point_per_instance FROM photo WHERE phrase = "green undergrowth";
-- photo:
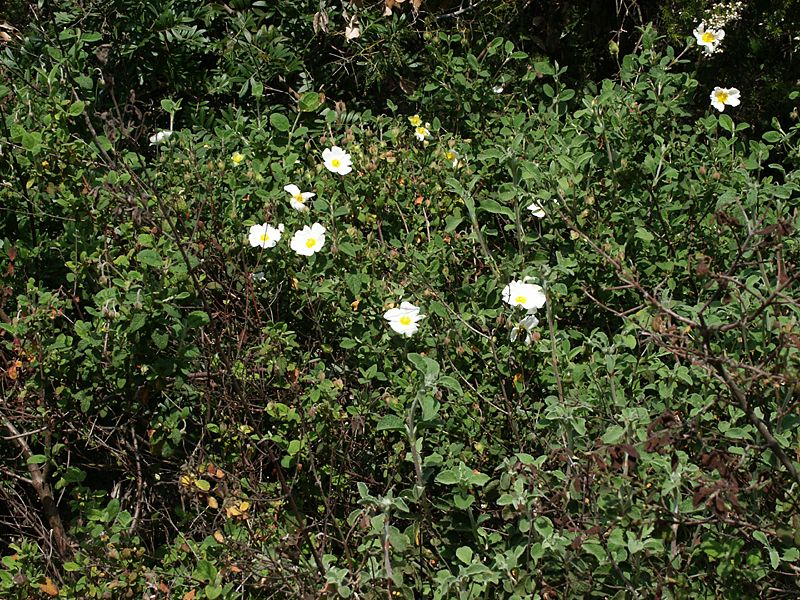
(214, 419)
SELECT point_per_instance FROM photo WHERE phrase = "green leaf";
(450, 383)
(465, 554)
(613, 434)
(84, 82)
(726, 123)
(37, 459)
(202, 484)
(205, 571)
(279, 122)
(71, 567)
(76, 108)
(451, 223)
(448, 477)
(428, 366)
(150, 257)
(213, 591)
(774, 559)
(772, 136)
(160, 339)
(391, 423)
(644, 235)
(761, 537)
(478, 479)
(197, 318)
(463, 501)
(544, 527)
(495, 207)
(309, 102)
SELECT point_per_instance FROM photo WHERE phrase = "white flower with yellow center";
(422, 133)
(452, 156)
(308, 240)
(724, 96)
(536, 210)
(298, 200)
(709, 39)
(527, 295)
(404, 320)
(265, 235)
(160, 136)
(415, 121)
(525, 327)
(337, 160)
(237, 157)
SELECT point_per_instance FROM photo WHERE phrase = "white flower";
(415, 120)
(422, 133)
(308, 240)
(404, 320)
(526, 325)
(536, 209)
(452, 156)
(498, 89)
(265, 235)
(299, 198)
(160, 136)
(709, 39)
(527, 295)
(722, 96)
(337, 160)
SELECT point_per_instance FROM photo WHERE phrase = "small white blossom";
(529, 296)
(709, 39)
(298, 198)
(724, 96)
(422, 133)
(308, 240)
(536, 210)
(160, 136)
(452, 156)
(265, 235)
(525, 326)
(337, 160)
(404, 320)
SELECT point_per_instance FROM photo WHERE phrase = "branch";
(43, 490)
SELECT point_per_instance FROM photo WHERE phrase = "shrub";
(199, 417)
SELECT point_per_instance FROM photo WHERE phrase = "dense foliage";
(193, 409)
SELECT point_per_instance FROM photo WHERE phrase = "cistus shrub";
(309, 301)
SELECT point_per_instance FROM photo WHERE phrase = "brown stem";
(763, 428)
(43, 490)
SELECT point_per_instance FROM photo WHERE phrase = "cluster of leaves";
(186, 416)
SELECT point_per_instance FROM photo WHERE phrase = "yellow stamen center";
(521, 299)
(450, 156)
(709, 37)
(336, 163)
(422, 131)
(722, 97)
(311, 242)
(265, 237)
(299, 198)
(405, 320)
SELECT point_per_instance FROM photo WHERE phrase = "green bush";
(188, 415)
